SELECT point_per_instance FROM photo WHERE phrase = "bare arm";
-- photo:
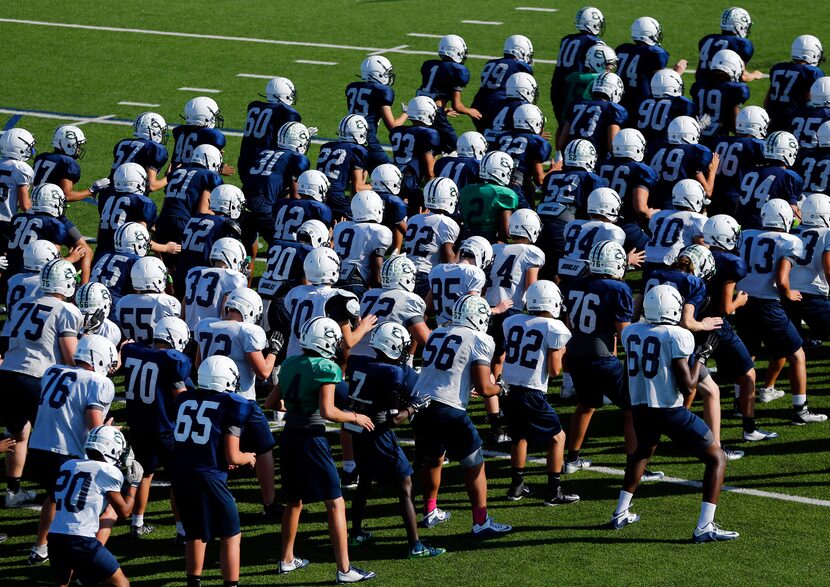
(234, 456)
(122, 504)
(68, 345)
(685, 376)
(85, 260)
(613, 129)
(459, 106)
(688, 321)
(504, 225)
(359, 180)
(429, 164)
(94, 417)
(68, 189)
(555, 361)
(261, 364)
(562, 139)
(204, 203)
(334, 414)
(531, 276)
(420, 333)
(389, 119)
(375, 266)
(640, 203)
(154, 182)
(274, 398)
(782, 279)
(708, 180)
(397, 236)
(729, 302)
(24, 202)
(352, 336)
(483, 381)
(447, 253)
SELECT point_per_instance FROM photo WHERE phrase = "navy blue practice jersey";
(188, 137)
(144, 152)
(54, 168)
(184, 190)
(151, 376)
(118, 208)
(262, 123)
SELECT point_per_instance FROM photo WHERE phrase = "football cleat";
(139, 531)
(768, 394)
(758, 435)
(15, 499)
(273, 511)
(805, 416)
(36, 558)
(354, 575)
(286, 567)
(712, 533)
(348, 480)
(626, 518)
(560, 498)
(490, 528)
(517, 492)
(649, 476)
(733, 454)
(361, 538)
(422, 550)
(577, 465)
(435, 517)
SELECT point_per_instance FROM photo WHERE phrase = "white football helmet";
(522, 85)
(149, 274)
(815, 211)
(108, 441)
(666, 83)
(820, 92)
(610, 85)
(422, 109)
(604, 202)
(49, 199)
(218, 373)
(229, 251)
(314, 233)
(367, 206)
(322, 266)
(321, 335)
(781, 146)
(590, 20)
(703, 262)
(59, 277)
(281, 89)
(736, 20)
(601, 58)
(647, 30)
(71, 140)
(203, 111)
(663, 305)
(683, 129)
(377, 68)
(728, 62)
(752, 121)
(208, 157)
(228, 200)
(441, 193)
(688, 193)
(630, 143)
(314, 184)
(93, 296)
(777, 213)
(608, 258)
(353, 129)
(173, 331)
(247, 302)
(471, 311)
(519, 47)
(387, 179)
(529, 117)
(17, 144)
(582, 154)
(471, 144)
(294, 136)
(721, 231)
(497, 166)
(808, 49)
(97, 352)
(37, 254)
(544, 296)
(453, 48)
(151, 126)
(525, 223)
(130, 178)
(392, 340)
(479, 249)
(823, 135)
(398, 271)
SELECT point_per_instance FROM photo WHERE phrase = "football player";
(137, 313)
(17, 147)
(206, 287)
(362, 243)
(790, 82)
(535, 344)
(659, 380)
(806, 122)
(443, 80)
(310, 204)
(735, 24)
(95, 303)
(603, 210)
(414, 149)
(132, 241)
(666, 102)
(202, 121)
(449, 281)
(146, 148)
(814, 167)
(492, 92)
(74, 400)
(61, 168)
(521, 88)
(379, 385)
(126, 202)
(486, 207)
(344, 162)
(387, 181)
(597, 120)
(721, 94)
(457, 361)
(675, 229)
(463, 167)
(44, 333)
(599, 59)
(307, 383)
(763, 319)
(24, 284)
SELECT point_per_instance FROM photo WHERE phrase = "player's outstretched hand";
(172, 248)
(681, 66)
(715, 160)
(75, 254)
(741, 298)
(364, 422)
(635, 257)
(227, 170)
(793, 295)
(7, 445)
(474, 114)
(502, 306)
(711, 323)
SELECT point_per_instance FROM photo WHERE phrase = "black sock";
(573, 455)
(13, 484)
(494, 420)
(230, 583)
(749, 424)
(554, 481)
(194, 581)
(518, 476)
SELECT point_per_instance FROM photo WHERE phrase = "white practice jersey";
(305, 302)
(507, 273)
(671, 232)
(356, 243)
(580, 237)
(137, 314)
(450, 281)
(81, 496)
(205, 289)
(449, 356)
(35, 332)
(807, 274)
(649, 350)
(761, 250)
(13, 174)
(22, 285)
(66, 394)
(235, 340)
(110, 331)
(527, 340)
(425, 235)
(389, 305)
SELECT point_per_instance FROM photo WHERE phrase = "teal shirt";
(300, 380)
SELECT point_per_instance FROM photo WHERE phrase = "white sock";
(138, 520)
(707, 514)
(179, 528)
(799, 400)
(42, 550)
(737, 391)
(349, 466)
(623, 503)
(567, 381)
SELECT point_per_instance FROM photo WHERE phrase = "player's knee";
(798, 357)
(559, 438)
(473, 459)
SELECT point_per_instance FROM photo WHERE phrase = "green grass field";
(56, 75)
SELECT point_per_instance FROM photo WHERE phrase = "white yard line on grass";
(398, 49)
(424, 36)
(484, 22)
(96, 119)
(201, 90)
(255, 75)
(313, 62)
(141, 104)
(536, 9)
